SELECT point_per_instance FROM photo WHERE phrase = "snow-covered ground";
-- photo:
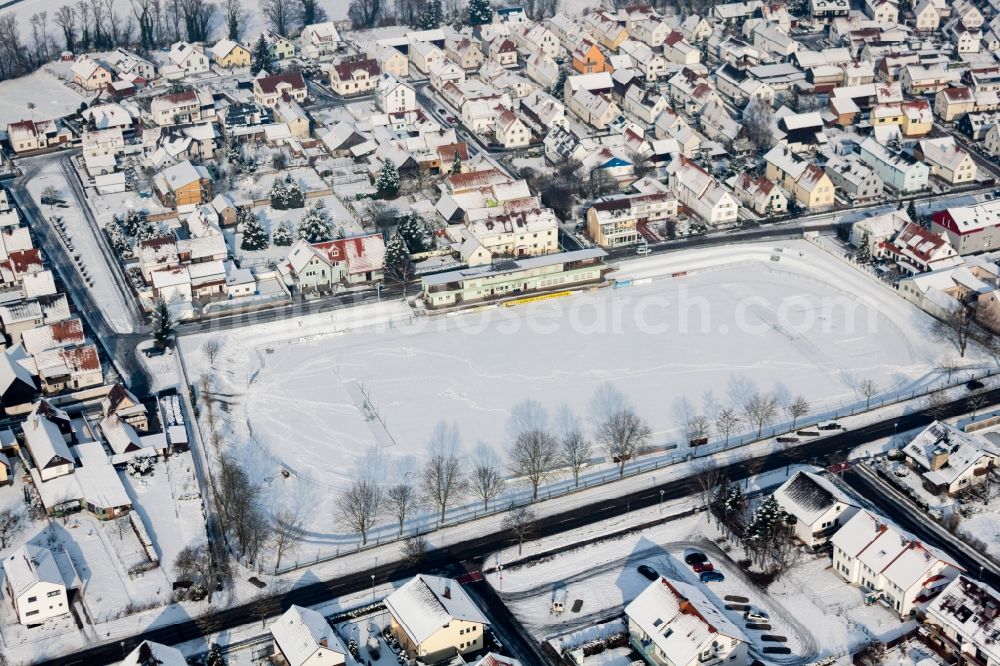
(373, 401)
(50, 96)
(84, 239)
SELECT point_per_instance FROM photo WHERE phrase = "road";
(450, 560)
(119, 348)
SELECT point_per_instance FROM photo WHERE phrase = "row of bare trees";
(539, 448)
(143, 25)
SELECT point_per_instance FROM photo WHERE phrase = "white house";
(187, 59)
(319, 40)
(47, 445)
(701, 194)
(305, 638)
(898, 170)
(965, 622)
(394, 96)
(891, 564)
(674, 624)
(950, 460)
(434, 619)
(818, 505)
(33, 585)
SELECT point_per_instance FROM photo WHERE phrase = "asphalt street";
(456, 559)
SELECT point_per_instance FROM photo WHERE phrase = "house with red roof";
(269, 90)
(324, 266)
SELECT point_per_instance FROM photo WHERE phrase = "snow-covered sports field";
(742, 319)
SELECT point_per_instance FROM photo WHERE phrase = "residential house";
(503, 50)
(643, 59)
(921, 80)
(615, 222)
(424, 55)
(28, 135)
(122, 403)
(465, 53)
(305, 638)
(444, 72)
(230, 55)
(970, 229)
(183, 185)
(926, 15)
(953, 103)
(651, 31)
(672, 623)
(818, 505)
(17, 381)
(149, 652)
(268, 90)
(810, 186)
(589, 59)
(191, 106)
(991, 142)
(394, 96)
(542, 69)
(509, 130)
(354, 76)
(69, 368)
(948, 161)
(537, 37)
(963, 622)
(33, 585)
(853, 179)
(919, 250)
(701, 194)
(434, 619)
(899, 171)
(967, 14)
(598, 110)
(605, 28)
(760, 195)
(891, 564)
(950, 460)
(186, 60)
(324, 266)
(391, 61)
(696, 28)
(826, 10)
(882, 11)
(90, 74)
(45, 439)
(678, 50)
(130, 67)
(280, 47)
(319, 41)
(644, 106)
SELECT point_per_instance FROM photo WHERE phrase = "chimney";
(447, 592)
(939, 458)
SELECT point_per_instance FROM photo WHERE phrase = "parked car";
(648, 572)
(700, 567)
(695, 557)
(153, 351)
(756, 616)
(711, 577)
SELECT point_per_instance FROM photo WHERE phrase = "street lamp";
(661, 498)
(378, 291)
(373, 587)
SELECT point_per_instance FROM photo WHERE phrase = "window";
(34, 612)
(32, 599)
(54, 593)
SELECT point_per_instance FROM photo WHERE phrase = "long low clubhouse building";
(514, 277)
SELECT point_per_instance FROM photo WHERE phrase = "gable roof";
(426, 603)
(301, 632)
(808, 496)
(29, 565)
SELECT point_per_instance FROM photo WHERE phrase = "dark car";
(701, 567)
(694, 558)
(711, 577)
(974, 385)
(648, 572)
(153, 351)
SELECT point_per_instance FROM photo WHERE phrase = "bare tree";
(936, 406)
(65, 18)
(534, 456)
(624, 435)
(194, 564)
(757, 123)
(486, 482)
(310, 12)
(976, 401)
(442, 478)
(760, 409)
(11, 524)
(707, 476)
(198, 15)
(359, 507)
(279, 15)
(211, 349)
(797, 408)
(415, 549)
(521, 523)
(576, 452)
(286, 526)
(235, 18)
(239, 499)
(400, 501)
(697, 428)
(868, 389)
(726, 423)
(956, 326)
(364, 13)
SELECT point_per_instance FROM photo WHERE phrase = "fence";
(468, 513)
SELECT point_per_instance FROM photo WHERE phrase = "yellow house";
(90, 74)
(918, 119)
(231, 55)
(809, 184)
(951, 103)
(434, 619)
(589, 59)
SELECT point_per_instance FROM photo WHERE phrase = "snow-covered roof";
(944, 452)
(425, 604)
(970, 610)
(29, 565)
(163, 654)
(45, 441)
(808, 496)
(302, 633)
(680, 619)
